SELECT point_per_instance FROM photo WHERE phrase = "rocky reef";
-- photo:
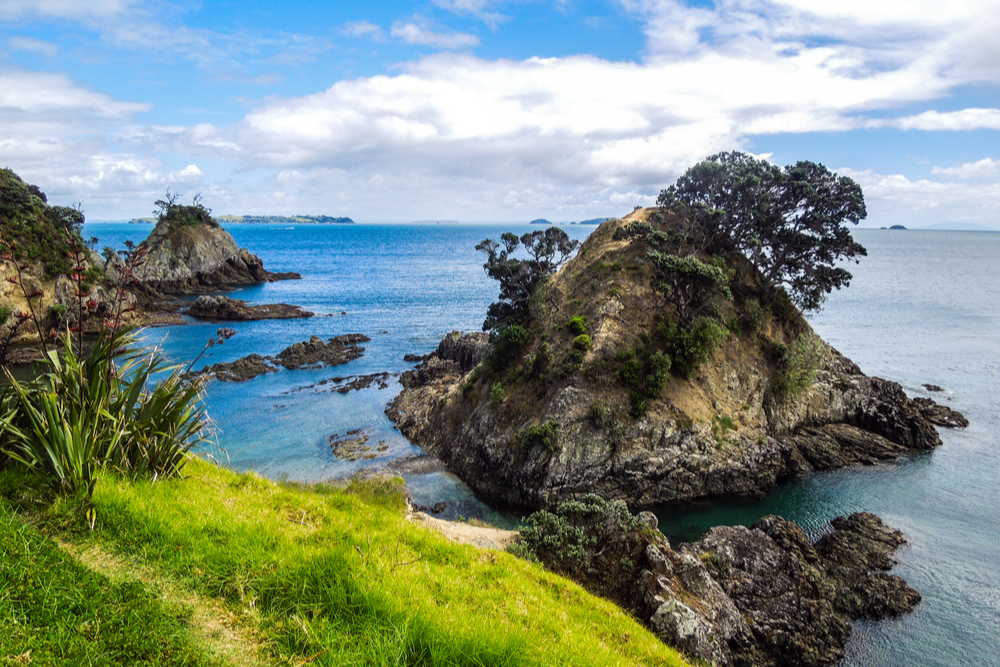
(313, 353)
(551, 419)
(762, 596)
(199, 256)
(225, 308)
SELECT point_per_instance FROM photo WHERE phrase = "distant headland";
(268, 220)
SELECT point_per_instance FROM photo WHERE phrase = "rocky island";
(188, 251)
(566, 421)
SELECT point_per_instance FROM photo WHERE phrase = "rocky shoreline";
(762, 596)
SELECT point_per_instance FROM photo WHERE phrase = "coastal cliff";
(190, 252)
(569, 411)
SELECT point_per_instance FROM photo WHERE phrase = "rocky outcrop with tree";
(188, 251)
(666, 363)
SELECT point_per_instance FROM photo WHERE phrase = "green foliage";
(691, 345)
(638, 407)
(497, 393)
(657, 374)
(582, 342)
(753, 316)
(178, 216)
(81, 415)
(40, 232)
(507, 343)
(577, 325)
(721, 426)
(567, 539)
(630, 374)
(798, 365)
(57, 311)
(790, 223)
(717, 562)
(688, 283)
(544, 435)
(520, 278)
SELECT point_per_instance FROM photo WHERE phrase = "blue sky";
(485, 110)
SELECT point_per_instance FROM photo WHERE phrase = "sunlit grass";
(340, 577)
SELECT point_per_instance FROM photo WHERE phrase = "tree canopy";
(519, 278)
(790, 223)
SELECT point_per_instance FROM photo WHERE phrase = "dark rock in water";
(762, 596)
(415, 357)
(932, 387)
(314, 353)
(225, 308)
(241, 370)
(940, 415)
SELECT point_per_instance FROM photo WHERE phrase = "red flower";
(37, 292)
(11, 279)
(91, 304)
(21, 315)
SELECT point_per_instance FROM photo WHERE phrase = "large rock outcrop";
(762, 596)
(211, 307)
(202, 257)
(727, 431)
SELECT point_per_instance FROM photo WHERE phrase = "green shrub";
(57, 311)
(753, 316)
(582, 342)
(692, 345)
(82, 415)
(567, 539)
(497, 393)
(797, 368)
(577, 325)
(544, 435)
(658, 374)
(637, 405)
(630, 372)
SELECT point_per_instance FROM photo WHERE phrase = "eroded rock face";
(227, 309)
(200, 258)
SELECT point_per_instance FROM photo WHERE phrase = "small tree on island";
(519, 278)
(790, 222)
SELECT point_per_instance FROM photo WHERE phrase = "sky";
(493, 110)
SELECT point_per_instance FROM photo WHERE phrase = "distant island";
(267, 220)
(592, 221)
(895, 227)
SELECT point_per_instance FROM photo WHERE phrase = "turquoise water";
(922, 309)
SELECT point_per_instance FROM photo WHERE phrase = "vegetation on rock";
(790, 223)
(520, 278)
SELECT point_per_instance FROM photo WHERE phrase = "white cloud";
(34, 46)
(966, 119)
(985, 168)
(62, 9)
(481, 9)
(897, 199)
(364, 29)
(413, 33)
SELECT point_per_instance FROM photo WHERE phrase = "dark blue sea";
(923, 308)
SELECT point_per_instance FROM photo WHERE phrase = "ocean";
(922, 309)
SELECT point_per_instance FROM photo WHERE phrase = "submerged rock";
(225, 308)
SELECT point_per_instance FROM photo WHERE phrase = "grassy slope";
(323, 576)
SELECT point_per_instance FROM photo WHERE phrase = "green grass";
(333, 576)
(65, 614)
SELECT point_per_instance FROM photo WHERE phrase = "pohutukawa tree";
(519, 278)
(790, 223)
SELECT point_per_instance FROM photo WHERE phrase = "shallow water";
(922, 309)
